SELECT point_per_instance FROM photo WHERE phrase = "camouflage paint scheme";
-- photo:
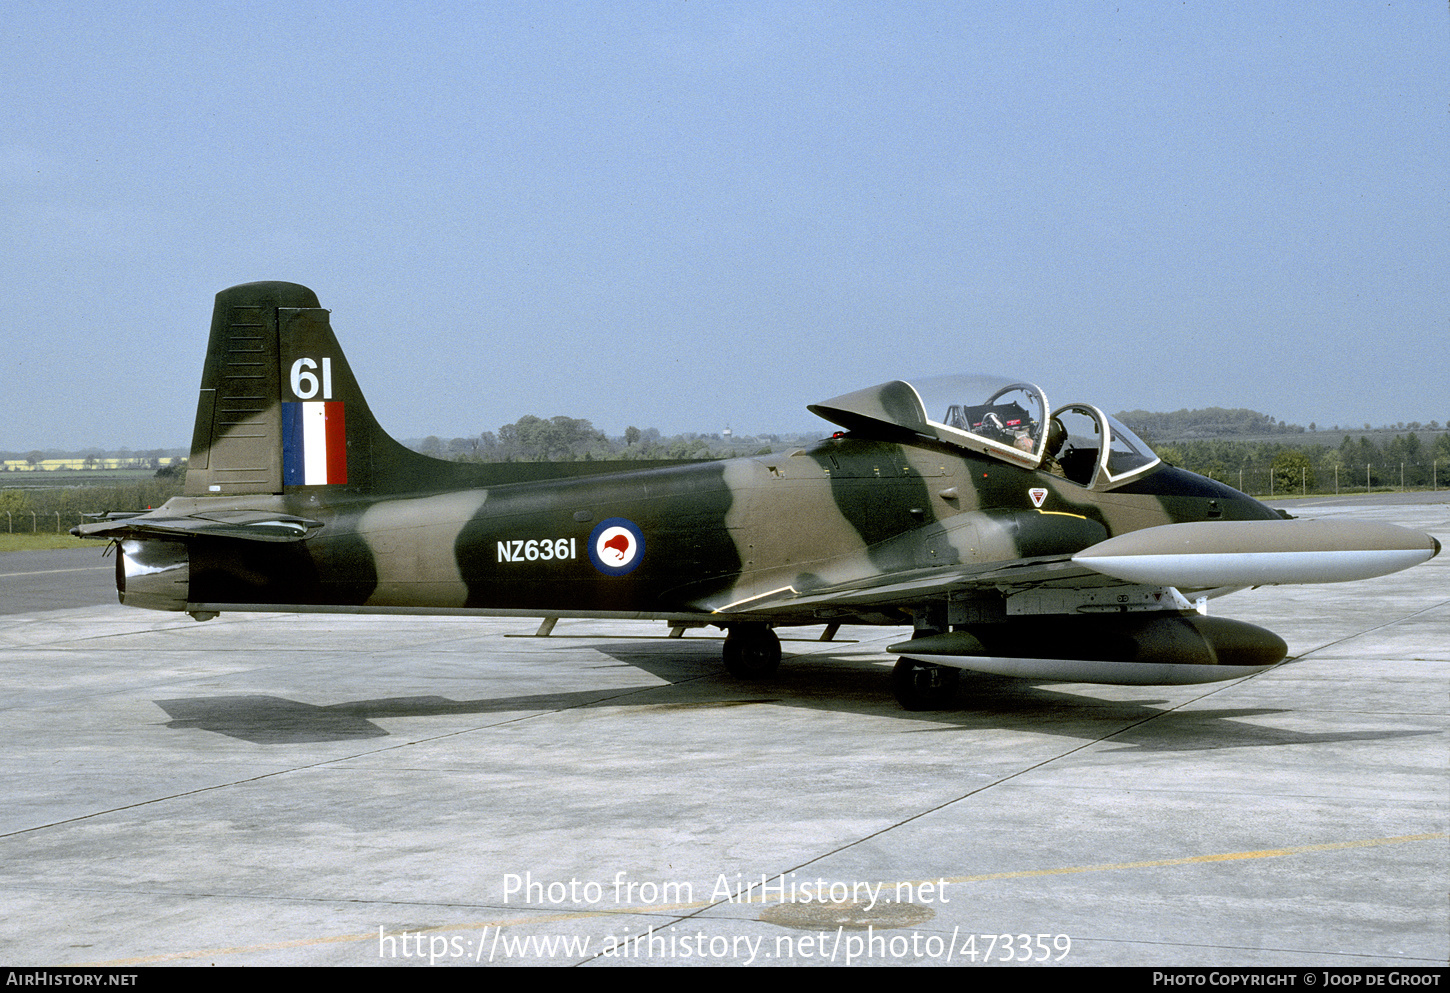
(898, 520)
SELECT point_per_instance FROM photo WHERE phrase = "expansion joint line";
(392, 746)
(1360, 634)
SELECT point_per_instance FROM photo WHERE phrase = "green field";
(73, 477)
(36, 542)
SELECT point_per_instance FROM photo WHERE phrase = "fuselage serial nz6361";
(1010, 536)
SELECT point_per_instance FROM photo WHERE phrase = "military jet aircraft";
(1010, 536)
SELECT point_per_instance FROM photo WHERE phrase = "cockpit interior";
(1010, 421)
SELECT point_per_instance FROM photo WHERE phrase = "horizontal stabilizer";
(1210, 554)
(248, 525)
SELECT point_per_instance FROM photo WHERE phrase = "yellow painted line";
(1199, 859)
(617, 911)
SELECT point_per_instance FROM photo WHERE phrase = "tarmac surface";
(269, 789)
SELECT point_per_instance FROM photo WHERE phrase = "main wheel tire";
(922, 686)
(751, 651)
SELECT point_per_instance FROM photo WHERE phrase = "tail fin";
(280, 409)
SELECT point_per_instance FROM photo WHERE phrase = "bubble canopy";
(1003, 418)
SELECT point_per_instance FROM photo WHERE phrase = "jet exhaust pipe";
(1168, 649)
(153, 574)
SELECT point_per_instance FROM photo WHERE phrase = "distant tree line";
(1265, 466)
(1259, 454)
(1218, 422)
(1208, 422)
(571, 439)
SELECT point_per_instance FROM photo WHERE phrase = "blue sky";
(685, 215)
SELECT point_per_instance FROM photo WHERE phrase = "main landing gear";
(752, 651)
(922, 686)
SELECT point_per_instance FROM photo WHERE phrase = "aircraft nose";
(1436, 542)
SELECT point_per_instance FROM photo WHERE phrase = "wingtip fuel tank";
(1210, 554)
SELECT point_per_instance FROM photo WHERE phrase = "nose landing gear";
(922, 686)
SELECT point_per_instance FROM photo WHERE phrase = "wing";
(904, 588)
(1212, 556)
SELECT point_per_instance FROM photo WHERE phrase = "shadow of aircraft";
(822, 680)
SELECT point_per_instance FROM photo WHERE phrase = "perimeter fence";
(1302, 480)
(55, 510)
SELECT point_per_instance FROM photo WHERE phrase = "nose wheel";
(752, 651)
(922, 686)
